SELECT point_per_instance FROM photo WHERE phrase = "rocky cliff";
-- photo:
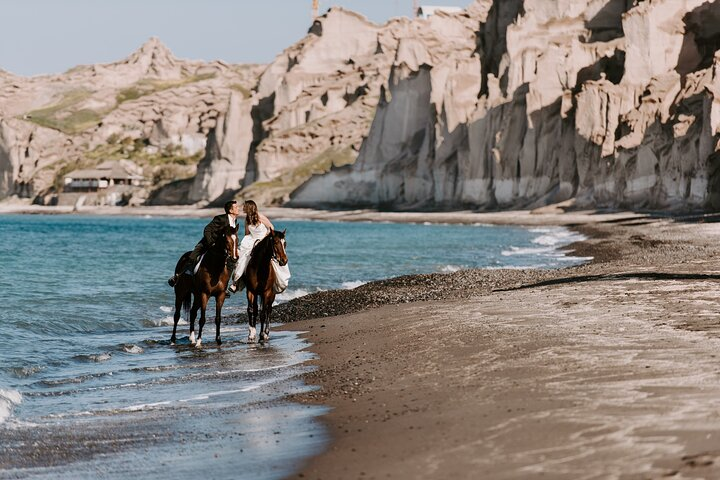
(150, 107)
(522, 103)
(508, 104)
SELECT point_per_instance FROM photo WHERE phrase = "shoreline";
(472, 382)
(545, 216)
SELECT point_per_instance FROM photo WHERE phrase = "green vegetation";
(62, 115)
(67, 117)
(278, 190)
(136, 151)
(160, 167)
(149, 86)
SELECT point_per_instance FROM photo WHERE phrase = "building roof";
(112, 169)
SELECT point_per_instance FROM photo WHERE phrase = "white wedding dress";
(257, 233)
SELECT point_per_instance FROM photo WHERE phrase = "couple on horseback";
(218, 265)
(257, 226)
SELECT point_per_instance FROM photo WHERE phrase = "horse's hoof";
(251, 339)
(192, 338)
(172, 344)
(219, 342)
(198, 344)
(173, 340)
(264, 338)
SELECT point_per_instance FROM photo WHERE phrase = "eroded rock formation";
(151, 107)
(508, 104)
(612, 102)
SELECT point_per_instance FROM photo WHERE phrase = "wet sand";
(607, 370)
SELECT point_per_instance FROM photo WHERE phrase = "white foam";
(353, 284)
(132, 349)
(451, 268)
(166, 309)
(8, 400)
(557, 236)
(291, 294)
(525, 251)
(194, 398)
(164, 322)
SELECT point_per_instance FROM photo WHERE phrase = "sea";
(90, 386)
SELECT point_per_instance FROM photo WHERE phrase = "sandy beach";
(607, 370)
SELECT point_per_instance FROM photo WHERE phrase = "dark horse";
(209, 281)
(259, 278)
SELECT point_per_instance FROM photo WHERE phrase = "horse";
(210, 281)
(259, 279)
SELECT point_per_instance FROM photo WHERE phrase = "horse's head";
(231, 242)
(278, 245)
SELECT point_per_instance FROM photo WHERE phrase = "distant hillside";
(151, 108)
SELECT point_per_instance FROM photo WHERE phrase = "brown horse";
(259, 278)
(209, 281)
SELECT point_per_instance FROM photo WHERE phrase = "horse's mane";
(260, 247)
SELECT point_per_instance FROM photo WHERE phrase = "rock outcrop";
(151, 107)
(612, 102)
(508, 104)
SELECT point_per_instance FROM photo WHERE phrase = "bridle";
(231, 260)
(228, 259)
(274, 252)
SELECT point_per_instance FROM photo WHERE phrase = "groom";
(212, 232)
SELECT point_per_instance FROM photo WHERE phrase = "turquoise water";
(87, 317)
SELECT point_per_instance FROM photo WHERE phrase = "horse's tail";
(186, 305)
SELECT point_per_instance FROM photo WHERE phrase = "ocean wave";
(353, 284)
(128, 348)
(166, 309)
(24, 371)
(556, 237)
(451, 268)
(526, 251)
(9, 399)
(291, 294)
(93, 357)
(163, 322)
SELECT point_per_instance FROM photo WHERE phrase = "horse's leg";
(203, 307)
(268, 300)
(176, 318)
(193, 316)
(252, 315)
(219, 300)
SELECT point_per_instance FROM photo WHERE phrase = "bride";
(257, 226)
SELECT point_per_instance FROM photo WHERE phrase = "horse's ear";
(284, 232)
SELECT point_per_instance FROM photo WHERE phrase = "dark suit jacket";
(215, 229)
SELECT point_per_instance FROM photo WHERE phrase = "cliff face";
(538, 101)
(509, 104)
(151, 107)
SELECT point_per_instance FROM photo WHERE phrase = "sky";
(52, 36)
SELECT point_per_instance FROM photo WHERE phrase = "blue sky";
(51, 36)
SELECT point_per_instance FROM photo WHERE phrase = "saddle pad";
(197, 266)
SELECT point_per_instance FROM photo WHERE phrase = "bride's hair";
(251, 213)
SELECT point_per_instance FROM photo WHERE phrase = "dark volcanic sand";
(606, 370)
